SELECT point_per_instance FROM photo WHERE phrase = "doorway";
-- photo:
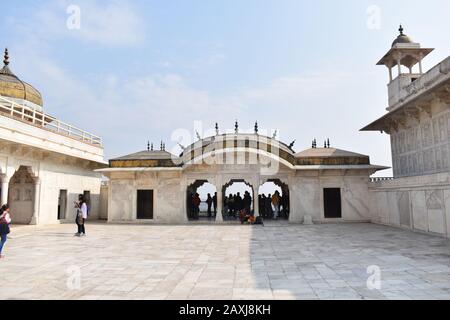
(62, 204)
(87, 198)
(145, 205)
(332, 203)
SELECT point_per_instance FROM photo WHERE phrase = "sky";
(134, 71)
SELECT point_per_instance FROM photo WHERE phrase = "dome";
(402, 38)
(12, 87)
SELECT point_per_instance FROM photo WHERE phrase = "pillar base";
(308, 221)
(33, 221)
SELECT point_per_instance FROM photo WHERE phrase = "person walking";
(5, 221)
(82, 215)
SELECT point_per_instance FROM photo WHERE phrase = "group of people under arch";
(273, 207)
(237, 205)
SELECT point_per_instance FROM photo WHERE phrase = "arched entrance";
(21, 195)
(273, 199)
(201, 201)
(237, 195)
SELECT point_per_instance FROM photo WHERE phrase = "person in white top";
(82, 215)
(5, 221)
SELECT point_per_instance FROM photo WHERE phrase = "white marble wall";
(422, 145)
(169, 196)
(417, 203)
(170, 187)
(54, 172)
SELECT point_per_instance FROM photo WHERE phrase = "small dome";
(12, 87)
(402, 38)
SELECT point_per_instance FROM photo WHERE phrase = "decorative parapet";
(381, 179)
(399, 93)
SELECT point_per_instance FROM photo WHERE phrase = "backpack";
(259, 221)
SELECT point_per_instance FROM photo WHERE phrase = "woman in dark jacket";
(5, 221)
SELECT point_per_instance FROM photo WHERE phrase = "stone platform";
(278, 261)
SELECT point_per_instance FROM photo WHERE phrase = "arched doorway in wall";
(237, 195)
(201, 201)
(273, 197)
(21, 195)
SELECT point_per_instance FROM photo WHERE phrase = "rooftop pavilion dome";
(17, 90)
(402, 38)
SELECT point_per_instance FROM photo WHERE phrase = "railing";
(45, 121)
(381, 179)
(422, 82)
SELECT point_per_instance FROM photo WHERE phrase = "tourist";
(285, 205)
(196, 201)
(5, 221)
(215, 204)
(231, 209)
(276, 200)
(247, 202)
(238, 202)
(82, 215)
(262, 206)
(268, 206)
(209, 202)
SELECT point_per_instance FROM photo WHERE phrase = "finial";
(292, 144)
(401, 30)
(256, 127)
(148, 146)
(162, 146)
(328, 143)
(236, 127)
(325, 144)
(217, 129)
(6, 61)
(151, 147)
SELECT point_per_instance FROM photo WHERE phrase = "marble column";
(257, 184)
(37, 192)
(5, 190)
(219, 215)
(256, 202)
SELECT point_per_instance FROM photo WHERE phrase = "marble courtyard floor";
(223, 262)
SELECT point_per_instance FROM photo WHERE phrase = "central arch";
(234, 202)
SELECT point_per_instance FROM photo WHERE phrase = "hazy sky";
(138, 70)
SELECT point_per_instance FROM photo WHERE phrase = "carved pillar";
(37, 192)
(5, 190)
(219, 215)
(256, 196)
